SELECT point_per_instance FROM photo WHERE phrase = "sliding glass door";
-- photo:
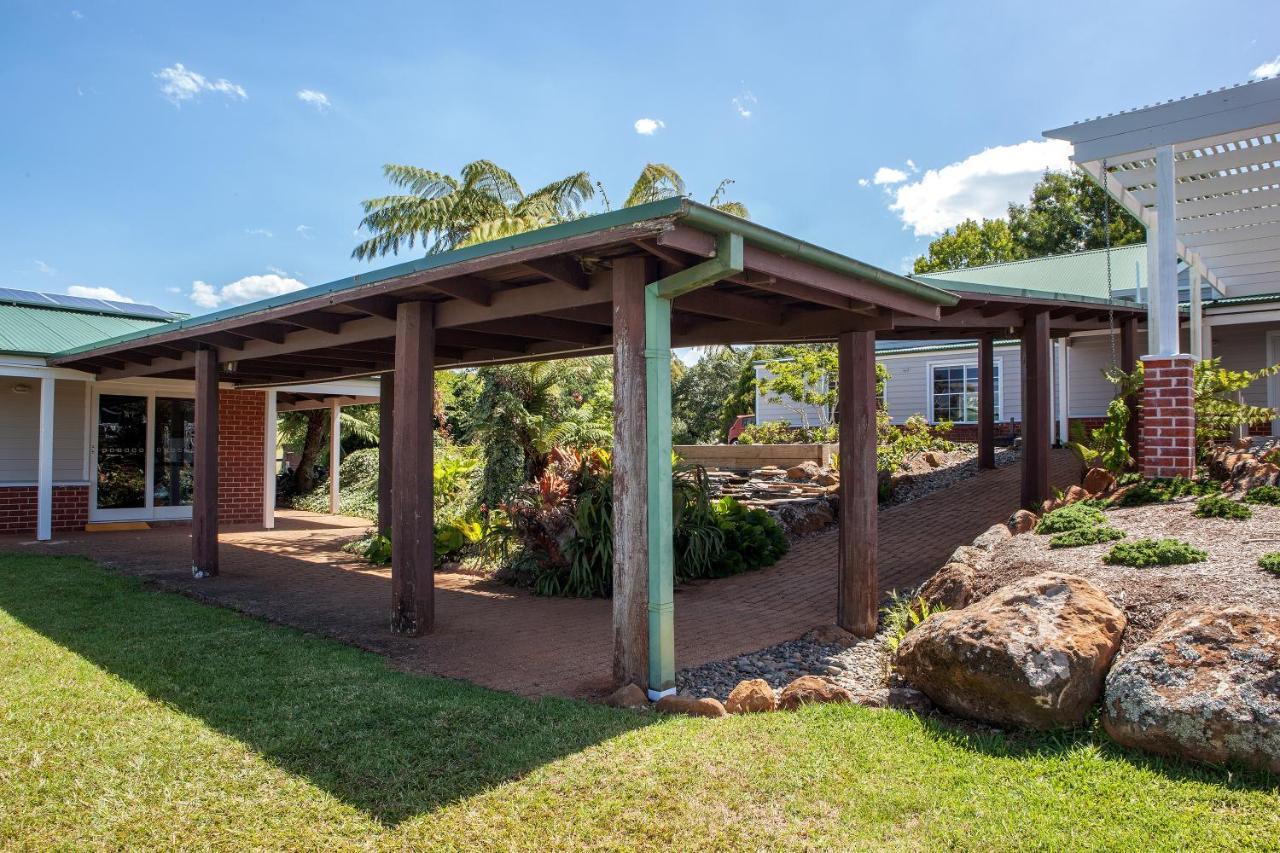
(143, 451)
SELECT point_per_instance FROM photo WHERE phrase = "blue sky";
(198, 155)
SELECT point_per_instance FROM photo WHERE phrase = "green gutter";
(967, 287)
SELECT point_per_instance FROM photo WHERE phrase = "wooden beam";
(224, 340)
(324, 321)
(376, 306)
(544, 328)
(386, 449)
(630, 476)
(729, 306)
(468, 340)
(473, 289)
(412, 556)
(565, 270)
(204, 509)
(857, 596)
(799, 325)
(986, 402)
(1036, 385)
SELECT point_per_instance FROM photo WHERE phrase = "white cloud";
(863, 182)
(1266, 69)
(179, 83)
(319, 100)
(247, 289)
(43, 267)
(888, 175)
(96, 293)
(305, 232)
(258, 232)
(745, 104)
(981, 185)
(77, 14)
(649, 126)
(911, 164)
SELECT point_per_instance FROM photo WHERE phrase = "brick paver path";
(511, 640)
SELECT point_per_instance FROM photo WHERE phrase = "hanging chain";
(1106, 232)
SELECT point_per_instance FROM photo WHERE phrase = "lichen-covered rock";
(951, 586)
(1032, 654)
(806, 470)
(704, 707)
(970, 555)
(827, 478)
(1205, 685)
(1098, 481)
(993, 536)
(1265, 474)
(1022, 521)
(751, 697)
(628, 696)
(809, 690)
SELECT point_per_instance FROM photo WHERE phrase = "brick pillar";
(1168, 442)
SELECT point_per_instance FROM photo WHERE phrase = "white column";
(335, 453)
(1162, 317)
(1063, 401)
(44, 462)
(269, 462)
(1197, 315)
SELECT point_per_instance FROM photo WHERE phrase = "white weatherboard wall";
(907, 391)
(768, 409)
(20, 431)
(1244, 347)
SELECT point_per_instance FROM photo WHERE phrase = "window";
(954, 392)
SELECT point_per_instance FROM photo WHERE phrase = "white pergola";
(1209, 164)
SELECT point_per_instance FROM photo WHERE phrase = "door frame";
(148, 511)
(1273, 382)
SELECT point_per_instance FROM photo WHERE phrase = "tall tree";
(1067, 212)
(485, 202)
(699, 395)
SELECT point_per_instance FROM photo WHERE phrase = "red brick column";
(241, 438)
(1168, 438)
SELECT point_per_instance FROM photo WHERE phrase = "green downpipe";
(661, 532)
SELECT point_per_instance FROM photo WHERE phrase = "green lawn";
(130, 717)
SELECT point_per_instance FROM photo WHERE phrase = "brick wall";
(241, 449)
(1168, 442)
(969, 432)
(18, 508)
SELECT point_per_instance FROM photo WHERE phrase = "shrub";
(1270, 562)
(1163, 490)
(1142, 553)
(752, 539)
(1269, 495)
(776, 432)
(1086, 536)
(1071, 517)
(1217, 506)
(904, 612)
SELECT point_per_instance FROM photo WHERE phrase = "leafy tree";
(1067, 212)
(700, 393)
(803, 379)
(485, 202)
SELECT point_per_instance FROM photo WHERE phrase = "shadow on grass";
(1060, 744)
(391, 744)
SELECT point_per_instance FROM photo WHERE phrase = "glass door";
(173, 462)
(120, 487)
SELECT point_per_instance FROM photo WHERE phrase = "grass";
(132, 718)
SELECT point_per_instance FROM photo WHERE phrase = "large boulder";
(1031, 654)
(1264, 474)
(951, 586)
(811, 690)
(993, 536)
(1205, 685)
(806, 470)
(1098, 481)
(751, 697)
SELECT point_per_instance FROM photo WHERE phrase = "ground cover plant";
(135, 718)
(1217, 506)
(1269, 495)
(1136, 491)
(1071, 517)
(1082, 536)
(1270, 562)
(1142, 553)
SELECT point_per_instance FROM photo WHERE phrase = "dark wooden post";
(986, 402)
(1036, 387)
(1128, 362)
(630, 475)
(386, 451)
(858, 598)
(412, 516)
(204, 509)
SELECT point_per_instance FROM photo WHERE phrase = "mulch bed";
(1230, 576)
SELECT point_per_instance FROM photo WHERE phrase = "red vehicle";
(740, 423)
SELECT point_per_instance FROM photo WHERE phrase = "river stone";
(810, 689)
(806, 470)
(1205, 686)
(751, 697)
(951, 586)
(628, 696)
(1031, 654)
(1022, 521)
(1098, 481)
(704, 707)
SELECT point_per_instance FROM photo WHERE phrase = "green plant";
(1086, 536)
(1140, 492)
(1106, 446)
(1217, 506)
(777, 432)
(1142, 553)
(904, 612)
(894, 443)
(752, 539)
(1269, 495)
(1270, 562)
(1071, 517)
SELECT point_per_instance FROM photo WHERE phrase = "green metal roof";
(1255, 299)
(675, 208)
(1059, 276)
(28, 330)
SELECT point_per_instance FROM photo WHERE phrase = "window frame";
(965, 363)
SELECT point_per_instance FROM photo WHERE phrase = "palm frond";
(419, 181)
(486, 178)
(567, 194)
(734, 208)
(656, 181)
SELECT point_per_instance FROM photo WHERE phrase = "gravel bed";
(958, 465)
(1230, 576)
(861, 668)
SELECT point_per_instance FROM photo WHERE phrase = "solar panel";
(82, 303)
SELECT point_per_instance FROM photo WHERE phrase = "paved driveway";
(511, 640)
